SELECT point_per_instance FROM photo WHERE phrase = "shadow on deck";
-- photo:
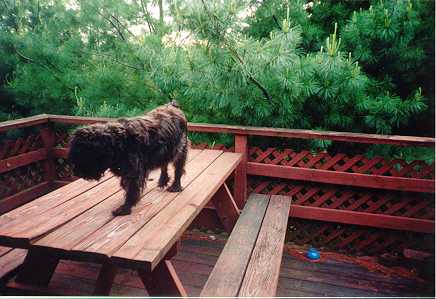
(332, 276)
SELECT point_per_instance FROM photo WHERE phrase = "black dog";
(131, 148)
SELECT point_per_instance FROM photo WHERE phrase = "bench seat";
(249, 264)
(10, 259)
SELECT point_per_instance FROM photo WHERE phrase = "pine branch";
(238, 57)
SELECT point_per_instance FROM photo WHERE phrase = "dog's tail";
(174, 103)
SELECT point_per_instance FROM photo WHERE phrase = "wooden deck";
(198, 255)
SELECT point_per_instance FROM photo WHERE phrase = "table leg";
(163, 281)
(38, 267)
(226, 208)
(105, 279)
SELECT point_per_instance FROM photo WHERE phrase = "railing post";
(240, 187)
(48, 139)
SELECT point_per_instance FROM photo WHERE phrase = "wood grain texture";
(23, 122)
(226, 208)
(66, 237)
(28, 229)
(362, 218)
(22, 160)
(240, 185)
(262, 274)
(277, 132)
(150, 244)
(11, 260)
(163, 281)
(110, 237)
(49, 201)
(228, 273)
(342, 178)
(14, 201)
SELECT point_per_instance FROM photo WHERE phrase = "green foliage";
(326, 65)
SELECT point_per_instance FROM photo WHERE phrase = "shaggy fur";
(131, 148)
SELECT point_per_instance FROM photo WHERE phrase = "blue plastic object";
(313, 254)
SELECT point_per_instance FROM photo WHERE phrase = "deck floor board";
(197, 257)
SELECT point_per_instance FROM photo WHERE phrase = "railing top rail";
(23, 122)
(241, 130)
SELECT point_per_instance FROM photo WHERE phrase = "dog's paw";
(174, 188)
(163, 182)
(123, 210)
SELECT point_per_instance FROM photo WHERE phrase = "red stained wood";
(60, 152)
(150, 244)
(48, 201)
(22, 160)
(342, 178)
(163, 281)
(361, 218)
(44, 262)
(226, 207)
(262, 274)
(240, 187)
(9, 203)
(10, 260)
(23, 122)
(24, 231)
(105, 280)
(277, 132)
(48, 139)
(228, 273)
(110, 237)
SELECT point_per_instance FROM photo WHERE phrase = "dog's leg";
(164, 178)
(132, 186)
(179, 165)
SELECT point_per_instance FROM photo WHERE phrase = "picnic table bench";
(75, 222)
(249, 265)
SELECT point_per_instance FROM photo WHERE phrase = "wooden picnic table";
(75, 222)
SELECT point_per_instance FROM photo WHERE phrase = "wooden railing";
(338, 173)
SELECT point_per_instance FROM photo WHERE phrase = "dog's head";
(90, 152)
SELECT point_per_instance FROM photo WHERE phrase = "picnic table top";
(76, 220)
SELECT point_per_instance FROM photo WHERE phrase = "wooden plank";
(23, 232)
(263, 270)
(23, 122)
(60, 152)
(11, 260)
(22, 160)
(277, 132)
(226, 207)
(228, 273)
(109, 238)
(105, 280)
(48, 139)
(342, 178)
(163, 281)
(150, 244)
(44, 262)
(9, 203)
(49, 201)
(240, 187)
(70, 234)
(362, 218)
(312, 134)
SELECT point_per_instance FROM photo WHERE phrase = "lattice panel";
(61, 139)
(10, 148)
(343, 163)
(20, 179)
(347, 198)
(354, 239)
(64, 170)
